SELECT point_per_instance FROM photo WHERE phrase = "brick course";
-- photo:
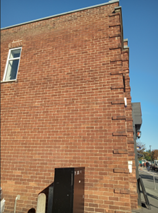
(66, 109)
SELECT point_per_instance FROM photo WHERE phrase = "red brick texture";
(66, 109)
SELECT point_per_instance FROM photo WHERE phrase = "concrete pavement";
(150, 180)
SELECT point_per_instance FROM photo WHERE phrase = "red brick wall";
(66, 109)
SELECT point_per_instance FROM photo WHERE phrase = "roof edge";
(61, 14)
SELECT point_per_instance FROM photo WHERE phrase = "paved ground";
(150, 180)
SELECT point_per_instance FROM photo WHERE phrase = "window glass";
(15, 53)
(12, 70)
(12, 64)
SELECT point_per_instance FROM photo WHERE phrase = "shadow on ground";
(149, 178)
(153, 196)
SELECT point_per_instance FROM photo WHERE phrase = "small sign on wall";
(130, 166)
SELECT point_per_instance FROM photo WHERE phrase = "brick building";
(64, 88)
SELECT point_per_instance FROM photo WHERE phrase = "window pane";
(12, 70)
(15, 53)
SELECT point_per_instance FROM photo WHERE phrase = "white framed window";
(12, 64)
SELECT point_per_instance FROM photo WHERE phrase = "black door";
(63, 190)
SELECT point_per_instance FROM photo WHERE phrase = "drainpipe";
(136, 163)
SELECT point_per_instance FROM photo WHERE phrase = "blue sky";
(140, 26)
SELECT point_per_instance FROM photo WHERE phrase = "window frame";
(12, 59)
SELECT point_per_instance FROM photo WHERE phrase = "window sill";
(9, 81)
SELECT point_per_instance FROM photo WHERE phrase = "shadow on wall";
(48, 191)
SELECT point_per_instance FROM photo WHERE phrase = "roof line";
(61, 14)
